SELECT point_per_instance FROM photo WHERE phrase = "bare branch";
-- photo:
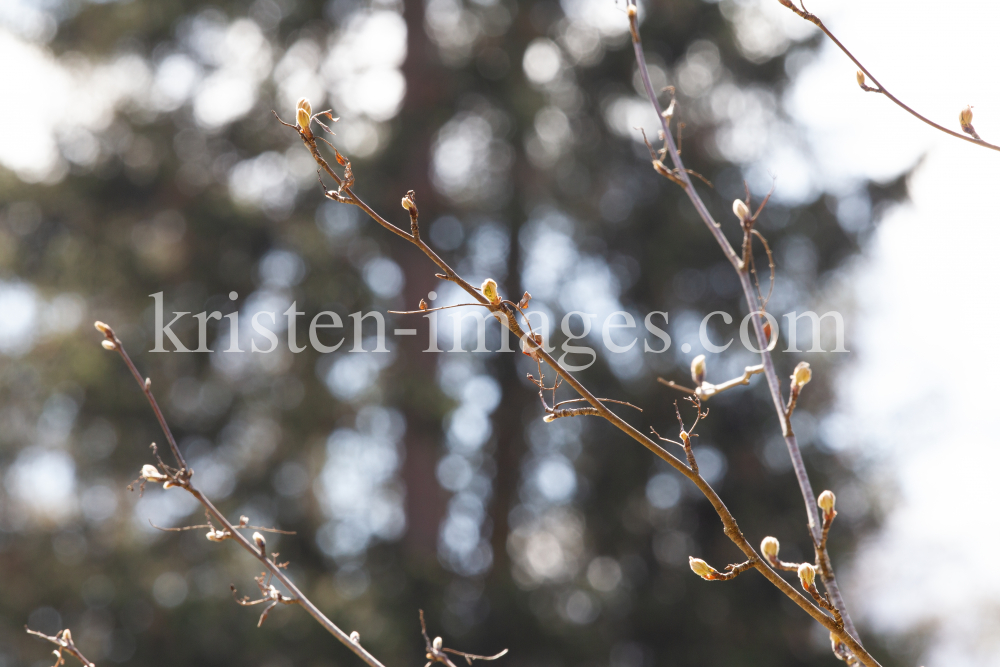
(879, 88)
(64, 640)
(846, 632)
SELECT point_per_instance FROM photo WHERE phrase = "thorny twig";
(64, 641)
(181, 477)
(878, 87)
(845, 632)
(506, 315)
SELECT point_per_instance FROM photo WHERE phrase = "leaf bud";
(807, 575)
(438, 643)
(216, 535)
(769, 547)
(304, 105)
(741, 210)
(861, 79)
(261, 543)
(965, 118)
(802, 374)
(827, 501)
(108, 344)
(103, 328)
(698, 370)
(701, 568)
(490, 291)
(407, 203)
(356, 637)
(151, 474)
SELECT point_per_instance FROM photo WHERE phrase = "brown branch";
(182, 478)
(64, 640)
(845, 632)
(506, 316)
(815, 20)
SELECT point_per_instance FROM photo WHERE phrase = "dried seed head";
(741, 210)
(103, 328)
(827, 501)
(356, 637)
(861, 79)
(108, 344)
(802, 374)
(965, 117)
(438, 643)
(261, 543)
(807, 575)
(490, 291)
(698, 370)
(151, 474)
(701, 568)
(769, 546)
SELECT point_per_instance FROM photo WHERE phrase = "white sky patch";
(917, 407)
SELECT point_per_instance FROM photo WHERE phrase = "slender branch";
(847, 632)
(506, 316)
(815, 20)
(64, 640)
(182, 479)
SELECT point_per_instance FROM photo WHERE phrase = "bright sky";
(917, 406)
(914, 406)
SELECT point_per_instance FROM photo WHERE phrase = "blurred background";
(138, 154)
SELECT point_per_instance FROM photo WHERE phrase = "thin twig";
(64, 640)
(812, 18)
(182, 478)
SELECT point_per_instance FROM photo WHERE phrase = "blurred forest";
(413, 480)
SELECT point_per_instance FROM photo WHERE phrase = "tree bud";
(701, 568)
(108, 344)
(698, 370)
(304, 105)
(802, 374)
(261, 543)
(827, 501)
(490, 291)
(769, 547)
(807, 575)
(216, 535)
(103, 328)
(407, 203)
(356, 637)
(965, 118)
(741, 210)
(151, 474)
(438, 643)
(861, 79)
